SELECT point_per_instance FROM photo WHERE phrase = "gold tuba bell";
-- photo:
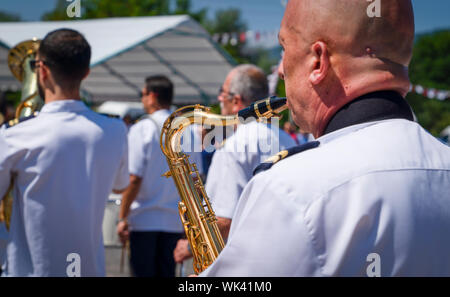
(196, 213)
(19, 59)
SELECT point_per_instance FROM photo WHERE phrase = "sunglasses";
(34, 64)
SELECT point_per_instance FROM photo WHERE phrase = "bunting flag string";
(430, 93)
(234, 38)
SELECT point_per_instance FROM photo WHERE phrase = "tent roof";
(126, 50)
(107, 37)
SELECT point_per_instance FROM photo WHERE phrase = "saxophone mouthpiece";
(265, 108)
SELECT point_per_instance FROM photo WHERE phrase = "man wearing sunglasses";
(65, 161)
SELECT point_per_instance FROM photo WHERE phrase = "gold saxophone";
(196, 213)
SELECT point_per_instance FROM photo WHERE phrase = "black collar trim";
(371, 107)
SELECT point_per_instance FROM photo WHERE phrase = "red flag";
(242, 37)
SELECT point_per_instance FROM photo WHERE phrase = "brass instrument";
(18, 62)
(196, 213)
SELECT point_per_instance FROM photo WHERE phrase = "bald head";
(347, 28)
(335, 51)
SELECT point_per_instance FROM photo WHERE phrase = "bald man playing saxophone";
(370, 198)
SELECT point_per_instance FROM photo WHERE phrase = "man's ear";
(153, 95)
(237, 99)
(238, 103)
(321, 62)
(44, 71)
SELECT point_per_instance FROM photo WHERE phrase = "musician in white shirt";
(149, 211)
(64, 162)
(374, 185)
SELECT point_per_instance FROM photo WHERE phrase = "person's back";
(149, 217)
(62, 160)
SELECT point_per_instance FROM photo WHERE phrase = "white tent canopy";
(127, 50)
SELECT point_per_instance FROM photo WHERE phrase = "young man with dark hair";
(65, 161)
(161, 85)
(149, 212)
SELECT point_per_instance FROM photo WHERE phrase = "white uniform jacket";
(372, 196)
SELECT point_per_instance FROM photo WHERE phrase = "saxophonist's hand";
(122, 231)
(181, 251)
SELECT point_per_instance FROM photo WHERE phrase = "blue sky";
(260, 15)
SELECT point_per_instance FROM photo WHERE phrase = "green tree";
(182, 6)
(130, 8)
(8, 17)
(430, 67)
(92, 9)
(58, 13)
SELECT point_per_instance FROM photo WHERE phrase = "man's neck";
(155, 109)
(376, 106)
(59, 95)
(353, 88)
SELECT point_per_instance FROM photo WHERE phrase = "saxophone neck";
(184, 117)
(265, 108)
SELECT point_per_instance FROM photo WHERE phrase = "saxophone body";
(197, 215)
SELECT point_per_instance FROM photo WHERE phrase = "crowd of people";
(358, 178)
